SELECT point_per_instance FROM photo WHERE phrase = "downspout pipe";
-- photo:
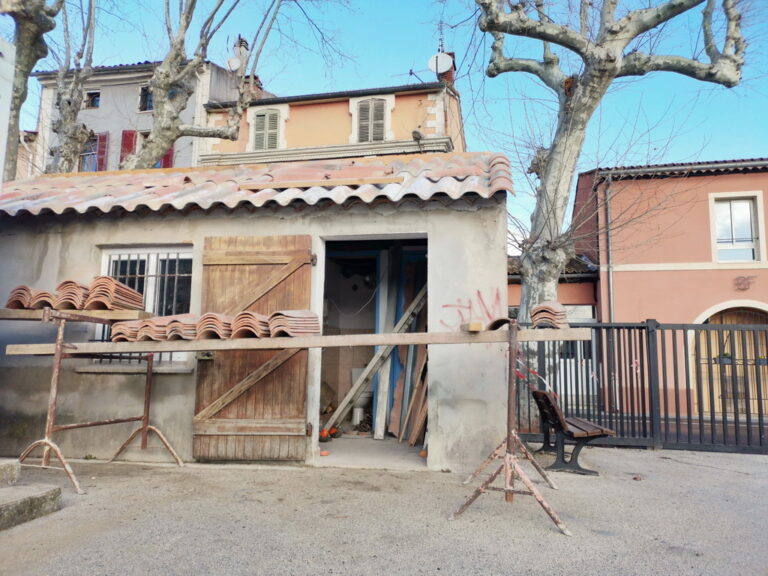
(608, 182)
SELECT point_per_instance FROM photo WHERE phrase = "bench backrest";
(550, 411)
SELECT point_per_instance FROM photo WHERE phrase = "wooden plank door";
(251, 405)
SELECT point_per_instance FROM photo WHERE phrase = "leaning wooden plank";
(245, 384)
(413, 404)
(389, 339)
(381, 355)
(420, 422)
(420, 375)
(250, 427)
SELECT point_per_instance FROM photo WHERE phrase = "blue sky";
(659, 118)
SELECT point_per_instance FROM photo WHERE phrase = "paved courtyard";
(650, 512)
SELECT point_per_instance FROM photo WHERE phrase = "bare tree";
(601, 47)
(173, 81)
(74, 70)
(32, 19)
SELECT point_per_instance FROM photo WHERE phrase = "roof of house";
(684, 169)
(340, 181)
(423, 87)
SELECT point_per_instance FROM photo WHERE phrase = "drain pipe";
(609, 247)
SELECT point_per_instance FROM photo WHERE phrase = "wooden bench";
(577, 430)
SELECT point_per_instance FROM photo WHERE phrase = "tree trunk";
(544, 258)
(30, 49)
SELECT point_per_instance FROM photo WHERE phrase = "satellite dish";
(440, 62)
(234, 64)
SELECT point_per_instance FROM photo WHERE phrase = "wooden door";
(251, 404)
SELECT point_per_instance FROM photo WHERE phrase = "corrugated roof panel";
(390, 178)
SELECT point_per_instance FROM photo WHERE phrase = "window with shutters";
(371, 120)
(266, 130)
(93, 157)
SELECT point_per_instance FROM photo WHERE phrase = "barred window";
(162, 275)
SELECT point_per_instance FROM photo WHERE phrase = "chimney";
(449, 76)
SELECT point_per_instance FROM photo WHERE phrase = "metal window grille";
(163, 278)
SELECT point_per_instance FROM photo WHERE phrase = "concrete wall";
(466, 275)
(331, 122)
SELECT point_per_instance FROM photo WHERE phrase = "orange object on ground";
(325, 452)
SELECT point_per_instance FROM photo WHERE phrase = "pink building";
(680, 243)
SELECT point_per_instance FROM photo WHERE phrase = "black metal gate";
(680, 386)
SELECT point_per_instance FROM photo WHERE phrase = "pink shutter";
(167, 160)
(127, 144)
(102, 148)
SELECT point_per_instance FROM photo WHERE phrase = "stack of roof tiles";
(549, 315)
(157, 328)
(182, 327)
(250, 325)
(213, 325)
(218, 326)
(19, 298)
(106, 293)
(293, 323)
(125, 331)
(70, 295)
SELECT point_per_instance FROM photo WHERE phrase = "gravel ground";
(650, 512)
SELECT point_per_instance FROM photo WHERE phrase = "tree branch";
(638, 22)
(547, 72)
(517, 23)
(226, 132)
(724, 67)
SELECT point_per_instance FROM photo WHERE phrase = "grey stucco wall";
(466, 276)
(118, 110)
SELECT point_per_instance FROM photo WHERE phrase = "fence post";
(652, 328)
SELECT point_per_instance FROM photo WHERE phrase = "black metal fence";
(686, 386)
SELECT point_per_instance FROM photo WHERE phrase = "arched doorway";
(735, 362)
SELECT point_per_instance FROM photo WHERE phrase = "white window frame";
(85, 99)
(152, 256)
(138, 103)
(756, 197)
(284, 113)
(389, 106)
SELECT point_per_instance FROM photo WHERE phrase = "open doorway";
(369, 287)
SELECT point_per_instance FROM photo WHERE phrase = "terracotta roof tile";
(420, 176)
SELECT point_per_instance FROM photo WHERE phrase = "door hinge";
(313, 259)
(309, 428)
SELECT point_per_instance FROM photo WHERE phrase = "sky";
(659, 118)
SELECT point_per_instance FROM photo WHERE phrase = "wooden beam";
(493, 337)
(245, 384)
(235, 257)
(246, 427)
(329, 183)
(116, 315)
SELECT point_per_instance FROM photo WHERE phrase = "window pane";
(736, 254)
(130, 271)
(741, 217)
(174, 286)
(723, 221)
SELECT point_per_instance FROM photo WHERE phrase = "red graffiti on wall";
(475, 308)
